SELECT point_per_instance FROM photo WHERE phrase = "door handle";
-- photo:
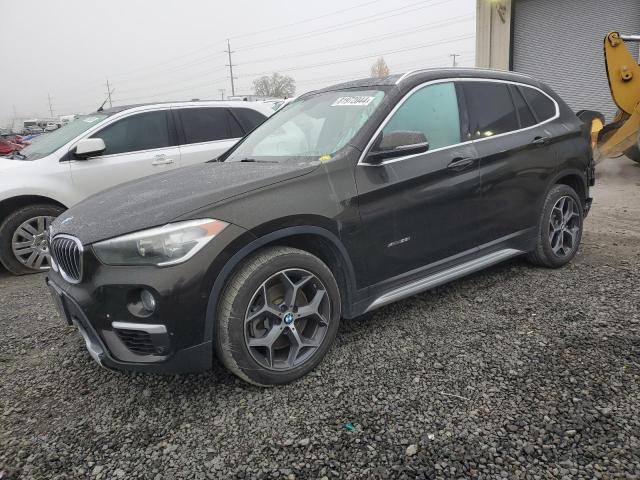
(162, 160)
(540, 141)
(459, 164)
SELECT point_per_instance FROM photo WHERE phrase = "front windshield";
(48, 143)
(312, 127)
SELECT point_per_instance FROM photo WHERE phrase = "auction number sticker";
(356, 101)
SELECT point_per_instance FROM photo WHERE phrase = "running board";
(443, 277)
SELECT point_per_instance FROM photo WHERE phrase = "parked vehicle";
(101, 150)
(375, 190)
(51, 127)
(7, 146)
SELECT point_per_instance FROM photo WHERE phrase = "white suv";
(100, 150)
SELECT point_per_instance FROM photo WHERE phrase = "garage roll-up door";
(560, 43)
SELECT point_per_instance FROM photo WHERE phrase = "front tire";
(559, 228)
(277, 317)
(23, 244)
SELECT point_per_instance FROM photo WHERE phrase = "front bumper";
(175, 338)
(109, 351)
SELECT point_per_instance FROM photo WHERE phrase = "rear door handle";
(161, 160)
(541, 141)
(459, 164)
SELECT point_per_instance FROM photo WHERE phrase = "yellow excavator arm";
(623, 73)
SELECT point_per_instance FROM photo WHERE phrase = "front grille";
(67, 254)
(137, 341)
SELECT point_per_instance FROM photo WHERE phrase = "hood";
(159, 199)
(7, 164)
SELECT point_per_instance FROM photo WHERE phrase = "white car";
(101, 150)
(51, 127)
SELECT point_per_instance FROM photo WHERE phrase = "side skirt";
(443, 277)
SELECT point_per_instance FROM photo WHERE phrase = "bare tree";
(380, 69)
(276, 85)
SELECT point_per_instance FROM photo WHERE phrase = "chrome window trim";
(64, 275)
(236, 139)
(455, 145)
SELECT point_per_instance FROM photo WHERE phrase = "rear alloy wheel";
(23, 239)
(278, 316)
(560, 228)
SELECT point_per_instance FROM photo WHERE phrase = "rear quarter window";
(542, 106)
(248, 118)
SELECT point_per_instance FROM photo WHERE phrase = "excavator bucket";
(623, 73)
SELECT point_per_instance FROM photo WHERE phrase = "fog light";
(148, 301)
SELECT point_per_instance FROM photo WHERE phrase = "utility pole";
(454, 56)
(50, 106)
(230, 65)
(221, 90)
(109, 92)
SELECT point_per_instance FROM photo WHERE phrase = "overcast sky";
(154, 50)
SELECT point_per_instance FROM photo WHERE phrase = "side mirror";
(89, 147)
(397, 144)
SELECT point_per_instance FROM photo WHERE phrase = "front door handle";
(540, 141)
(162, 160)
(459, 164)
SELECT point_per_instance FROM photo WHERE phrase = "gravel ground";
(517, 372)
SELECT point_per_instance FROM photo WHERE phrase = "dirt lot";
(515, 372)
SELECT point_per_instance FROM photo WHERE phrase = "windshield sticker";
(357, 101)
(91, 119)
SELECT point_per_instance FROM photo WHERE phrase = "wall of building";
(493, 33)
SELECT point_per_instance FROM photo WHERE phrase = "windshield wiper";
(253, 160)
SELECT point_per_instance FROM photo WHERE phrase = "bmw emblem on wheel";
(289, 318)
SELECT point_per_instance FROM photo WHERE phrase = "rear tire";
(21, 236)
(277, 316)
(633, 153)
(559, 228)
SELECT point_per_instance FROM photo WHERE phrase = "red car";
(6, 147)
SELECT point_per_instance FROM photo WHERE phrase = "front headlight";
(162, 246)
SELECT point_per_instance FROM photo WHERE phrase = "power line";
(368, 40)
(349, 24)
(310, 19)
(362, 57)
(208, 46)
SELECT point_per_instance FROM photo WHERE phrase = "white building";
(557, 41)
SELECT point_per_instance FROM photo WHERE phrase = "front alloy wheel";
(277, 316)
(287, 319)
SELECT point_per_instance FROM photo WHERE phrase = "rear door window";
(249, 118)
(491, 110)
(433, 111)
(524, 112)
(143, 131)
(204, 124)
(542, 105)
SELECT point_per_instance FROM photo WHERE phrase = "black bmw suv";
(349, 198)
